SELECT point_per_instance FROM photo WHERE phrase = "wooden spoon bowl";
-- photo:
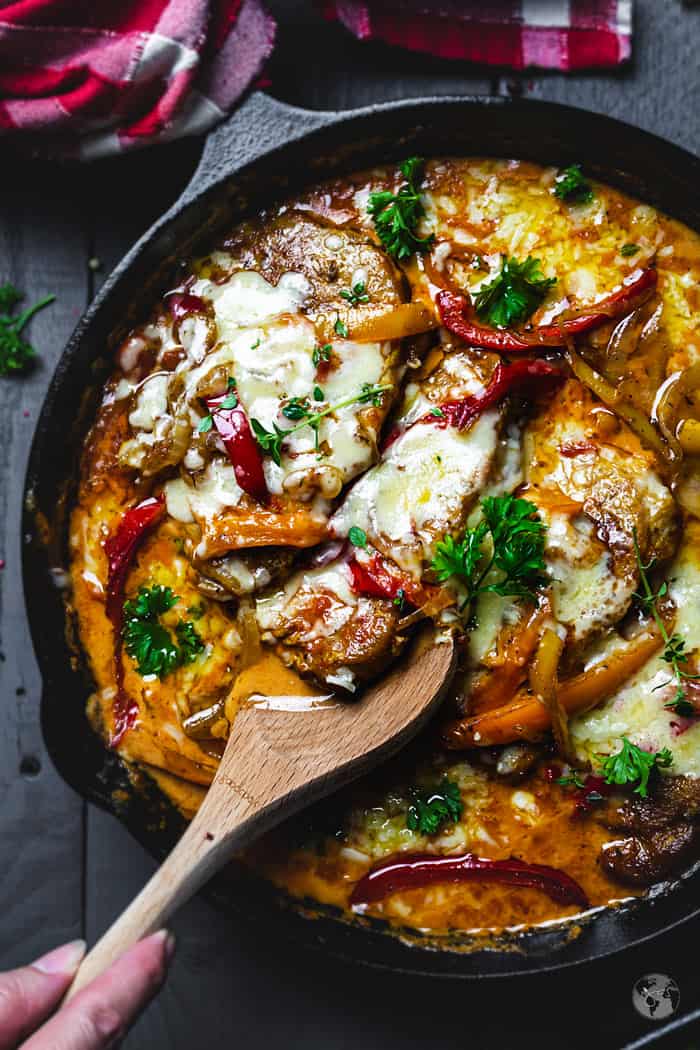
(279, 759)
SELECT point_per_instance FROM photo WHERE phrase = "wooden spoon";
(279, 759)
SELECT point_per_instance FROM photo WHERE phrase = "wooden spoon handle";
(195, 858)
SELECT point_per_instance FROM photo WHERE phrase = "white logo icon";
(656, 996)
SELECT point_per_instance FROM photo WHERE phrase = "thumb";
(28, 995)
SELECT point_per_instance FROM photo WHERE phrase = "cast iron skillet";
(262, 153)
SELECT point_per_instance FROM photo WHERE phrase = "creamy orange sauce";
(487, 208)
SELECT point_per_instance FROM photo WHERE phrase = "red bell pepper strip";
(518, 376)
(242, 448)
(594, 789)
(181, 304)
(120, 548)
(375, 579)
(457, 315)
(415, 870)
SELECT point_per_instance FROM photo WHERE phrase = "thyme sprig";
(270, 441)
(674, 652)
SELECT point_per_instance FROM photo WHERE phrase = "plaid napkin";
(86, 78)
(550, 34)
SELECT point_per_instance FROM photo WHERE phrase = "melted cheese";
(151, 402)
(416, 494)
(247, 299)
(206, 496)
(303, 587)
(637, 710)
(269, 349)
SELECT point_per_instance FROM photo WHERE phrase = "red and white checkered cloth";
(86, 78)
(549, 34)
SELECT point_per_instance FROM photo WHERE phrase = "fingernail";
(169, 943)
(63, 960)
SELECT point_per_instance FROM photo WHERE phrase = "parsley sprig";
(270, 441)
(148, 642)
(16, 353)
(396, 215)
(431, 809)
(355, 295)
(631, 765)
(517, 551)
(571, 185)
(514, 294)
(674, 653)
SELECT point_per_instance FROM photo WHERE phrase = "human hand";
(99, 1015)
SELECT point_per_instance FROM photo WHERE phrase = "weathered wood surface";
(65, 870)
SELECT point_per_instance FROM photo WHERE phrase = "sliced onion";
(544, 682)
(326, 553)
(634, 417)
(674, 403)
(198, 725)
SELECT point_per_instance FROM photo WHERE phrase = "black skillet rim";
(644, 165)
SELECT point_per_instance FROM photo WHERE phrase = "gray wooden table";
(67, 868)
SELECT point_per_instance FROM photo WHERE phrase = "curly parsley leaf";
(15, 352)
(517, 551)
(396, 215)
(518, 545)
(460, 557)
(150, 602)
(148, 642)
(431, 809)
(631, 765)
(514, 294)
(571, 185)
(189, 641)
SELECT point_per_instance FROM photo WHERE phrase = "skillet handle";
(257, 127)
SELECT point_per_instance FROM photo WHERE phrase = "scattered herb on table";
(355, 295)
(517, 551)
(514, 294)
(15, 352)
(148, 642)
(571, 185)
(431, 809)
(396, 215)
(674, 653)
